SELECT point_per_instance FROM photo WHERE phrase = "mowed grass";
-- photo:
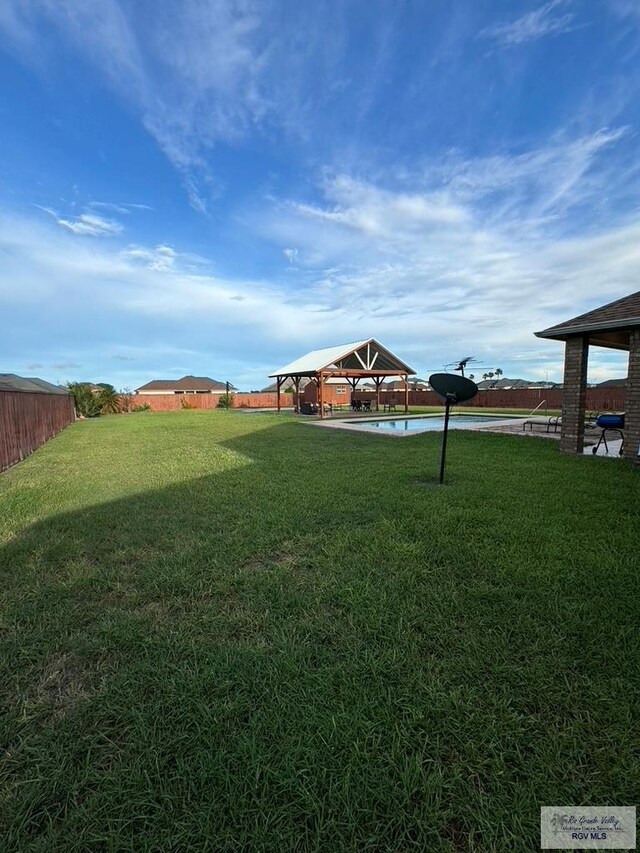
(236, 632)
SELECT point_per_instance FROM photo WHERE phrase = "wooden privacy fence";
(241, 400)
(598, 399)
(29, 419)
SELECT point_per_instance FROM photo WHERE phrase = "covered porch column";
(279, 381)
(632, 399)
(406, 393)
(574, 393)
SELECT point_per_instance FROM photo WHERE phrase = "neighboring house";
(339, 387)
(272, 389)
(186, 385)
(13, 382)
(509, 384)
(612, 383)
(515, 384)
(398, 385)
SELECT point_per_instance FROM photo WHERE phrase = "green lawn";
(235, 632)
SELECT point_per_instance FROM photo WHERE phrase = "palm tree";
(108, 400)
(498, 372)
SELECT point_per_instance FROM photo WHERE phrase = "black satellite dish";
(452, 389)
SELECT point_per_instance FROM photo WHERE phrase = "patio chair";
(553, 422)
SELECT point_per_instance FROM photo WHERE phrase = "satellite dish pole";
(443, 452)
(452, 389)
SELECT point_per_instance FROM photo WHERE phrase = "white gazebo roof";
(366, 356)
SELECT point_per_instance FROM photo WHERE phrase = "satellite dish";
(452, 389)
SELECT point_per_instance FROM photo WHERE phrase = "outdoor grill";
(611, 423)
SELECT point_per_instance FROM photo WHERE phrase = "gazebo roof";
(366, 357)
(606, 326)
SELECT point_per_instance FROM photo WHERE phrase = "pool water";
(431, 424)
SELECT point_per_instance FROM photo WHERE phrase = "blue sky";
(217, 187)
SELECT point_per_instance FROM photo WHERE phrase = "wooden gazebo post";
(406, 393)
(353, 383)
(378, 382)
(321, 394)
(296, 385)
(278, 384)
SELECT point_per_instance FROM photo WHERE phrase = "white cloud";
(160, 258)
(492, 255)
(531, 26)
(91, 225)
(87, 224)
(118, 207)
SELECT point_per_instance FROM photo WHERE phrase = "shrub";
(92, 404)
(226, 401)
(143, 407)
(86, 402)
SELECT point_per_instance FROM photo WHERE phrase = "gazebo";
(366, 359)
(615, 326)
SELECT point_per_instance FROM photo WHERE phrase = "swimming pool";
(426, 424)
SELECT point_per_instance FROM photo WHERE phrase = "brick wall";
(632, 404)
(574, 397)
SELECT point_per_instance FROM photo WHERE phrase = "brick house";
(186, 385)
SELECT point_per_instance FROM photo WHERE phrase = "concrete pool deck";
(500, 426)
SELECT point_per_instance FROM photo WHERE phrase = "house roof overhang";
(607, 326)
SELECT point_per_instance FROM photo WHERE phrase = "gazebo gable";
(370, 356)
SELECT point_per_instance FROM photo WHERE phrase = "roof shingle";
(621, 314)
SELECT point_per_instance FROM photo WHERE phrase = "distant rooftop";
(186, 383)
(32, 384)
